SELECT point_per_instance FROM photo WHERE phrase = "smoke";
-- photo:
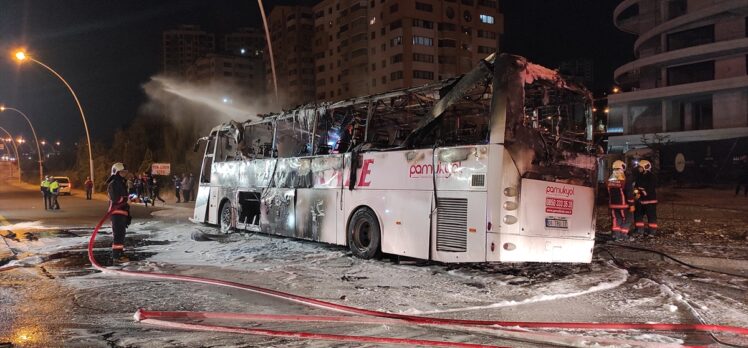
(203, 105)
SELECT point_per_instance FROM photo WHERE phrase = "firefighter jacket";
(117, 191)
(620, 192)
(646, 184)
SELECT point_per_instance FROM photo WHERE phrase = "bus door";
(278, 202)
(203, 191)
(318, 205)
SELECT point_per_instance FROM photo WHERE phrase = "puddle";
(74, 264)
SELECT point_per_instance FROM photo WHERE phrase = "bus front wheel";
(364, 235)
(224, 218)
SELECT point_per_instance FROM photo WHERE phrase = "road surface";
(64, 302)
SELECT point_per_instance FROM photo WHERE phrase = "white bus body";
(477, 202)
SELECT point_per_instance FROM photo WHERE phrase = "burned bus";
(495, 165)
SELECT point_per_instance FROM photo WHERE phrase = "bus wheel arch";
(225, 216)
(364, 233)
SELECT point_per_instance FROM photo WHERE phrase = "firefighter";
(120, 210)
(44, 188)
(645, 191)
(621, 201)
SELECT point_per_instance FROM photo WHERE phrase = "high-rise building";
(291, 33)
(245, 73)
(247, 42)
(366, 47)
(183, 46)
(688, 82)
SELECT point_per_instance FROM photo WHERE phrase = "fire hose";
(369, 316)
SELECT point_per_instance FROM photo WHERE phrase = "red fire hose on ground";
(365, 316)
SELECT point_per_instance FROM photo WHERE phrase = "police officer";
(120, 210)
(645, 191)
(44, 188)
(621, 200)
(54, 192)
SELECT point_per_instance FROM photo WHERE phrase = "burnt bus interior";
(548, 123)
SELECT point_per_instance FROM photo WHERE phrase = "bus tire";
(364, 234)
(224, 217)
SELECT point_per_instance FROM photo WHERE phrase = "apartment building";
(689, 81)
(247, 42)
(245, 73)
(182, 46)
(366, 47)
(291, 35)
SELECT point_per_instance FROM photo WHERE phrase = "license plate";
(556, 223)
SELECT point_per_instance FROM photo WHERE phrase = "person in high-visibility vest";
(44, 188)
(119, 208)
(54, 191)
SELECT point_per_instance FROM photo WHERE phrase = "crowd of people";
(146, 188)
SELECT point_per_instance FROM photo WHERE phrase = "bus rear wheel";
(224, 218)
(364, 234)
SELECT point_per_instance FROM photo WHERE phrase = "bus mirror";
(197, 143)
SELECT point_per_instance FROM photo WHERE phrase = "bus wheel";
(224, 219)
(364, 234)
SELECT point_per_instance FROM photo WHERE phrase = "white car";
(65, 184)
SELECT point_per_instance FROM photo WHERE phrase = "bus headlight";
(509, 219)
(510, 192)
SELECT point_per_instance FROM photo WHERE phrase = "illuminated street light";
(18, 158)
(21, 56)
(607, 110)
(57, 143)
(33, 131)
(616, 89)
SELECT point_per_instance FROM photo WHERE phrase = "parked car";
(65, 184)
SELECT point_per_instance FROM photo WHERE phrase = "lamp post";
(22, 56)
(18, 158)
(270, 50)
(36, 140)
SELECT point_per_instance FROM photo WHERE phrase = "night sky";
(107, 49)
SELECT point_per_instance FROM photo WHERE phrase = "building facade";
(245, 73)
(247, 42)
(291, 34)
(689, 81)
(182, 46)
(367, 47)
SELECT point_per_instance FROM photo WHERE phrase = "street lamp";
(36, 140)
(21, 56)
(18, 158)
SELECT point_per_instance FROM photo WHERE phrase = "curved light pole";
(18, 158)
(21, 56)
(38, 150)
(270, 50)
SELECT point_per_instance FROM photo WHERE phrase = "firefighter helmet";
(117, 167)
(619, 165)
(646, 165)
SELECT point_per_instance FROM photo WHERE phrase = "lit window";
(486, 19)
